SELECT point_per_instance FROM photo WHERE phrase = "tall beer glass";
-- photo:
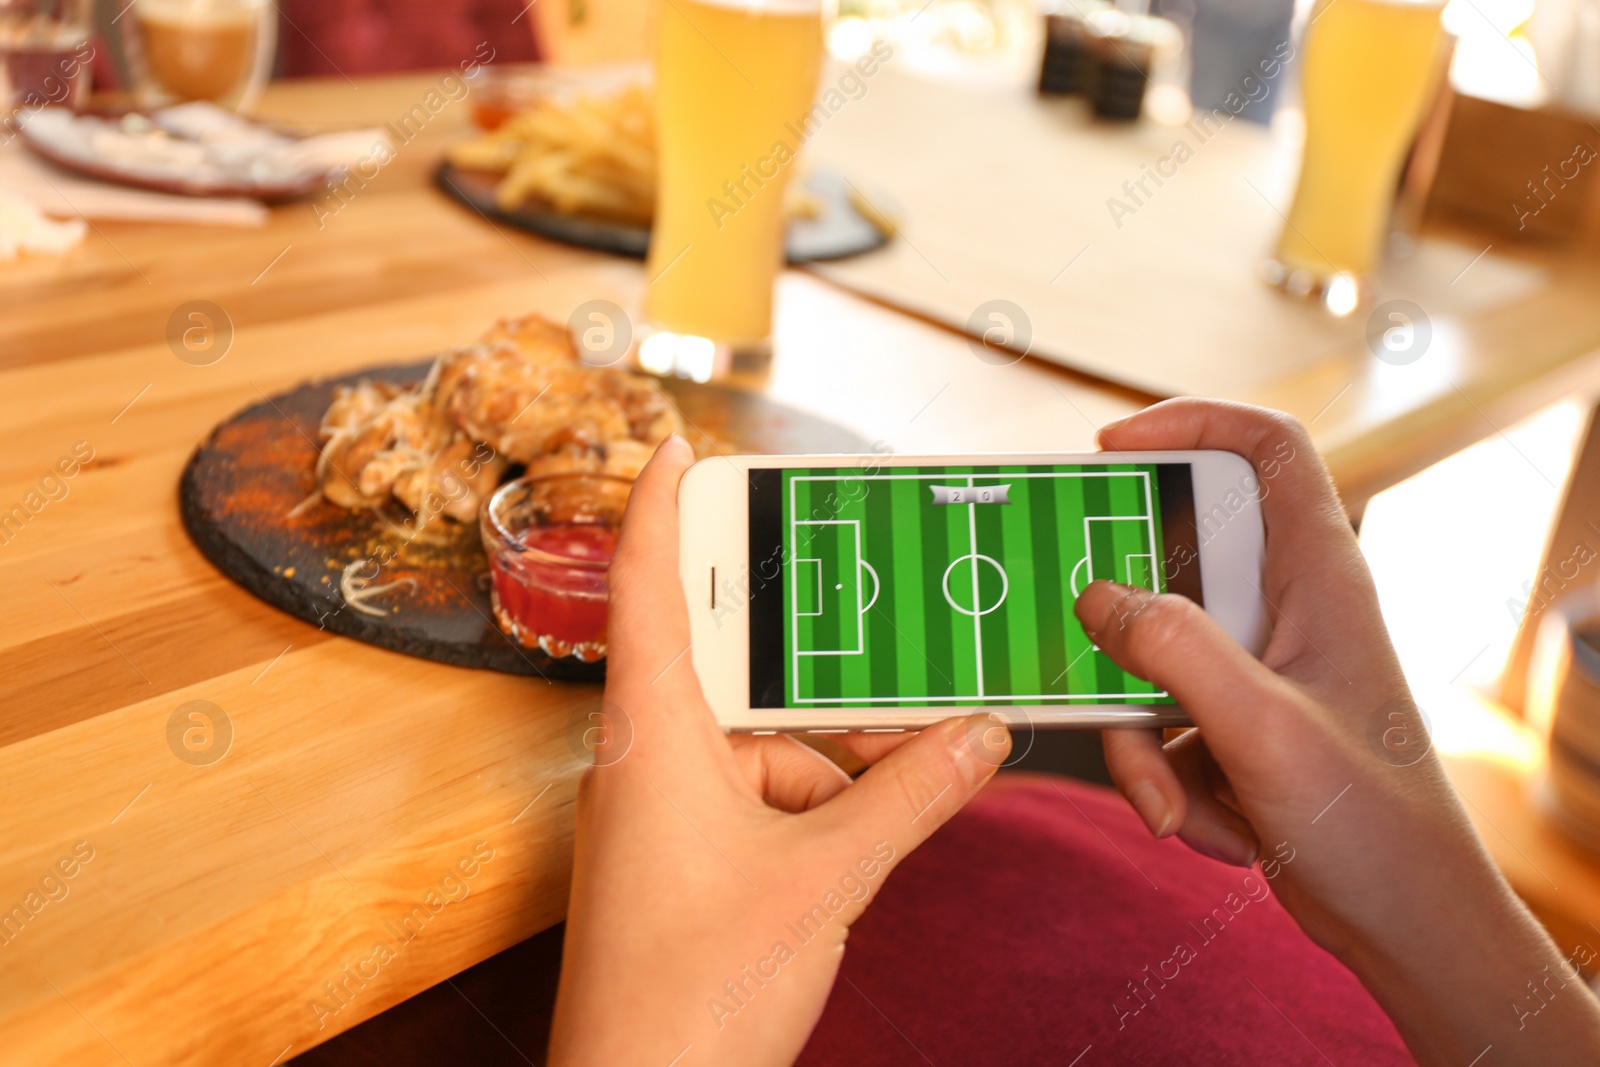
(1370, 69)
(735, 82)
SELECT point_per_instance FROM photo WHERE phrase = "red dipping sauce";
(550, 541)
(551, 600)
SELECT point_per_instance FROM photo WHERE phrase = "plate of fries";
(592, 155)
(580, 167)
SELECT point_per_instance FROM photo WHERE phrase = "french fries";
(591, 155)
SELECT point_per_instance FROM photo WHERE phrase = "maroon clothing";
(1044, 920)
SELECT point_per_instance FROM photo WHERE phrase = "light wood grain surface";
(1135, 251)
(219, 900)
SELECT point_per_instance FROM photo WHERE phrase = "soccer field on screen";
(954, 585)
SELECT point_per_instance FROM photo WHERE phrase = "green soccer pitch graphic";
(954, 585)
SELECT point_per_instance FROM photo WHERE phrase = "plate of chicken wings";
(355, 503)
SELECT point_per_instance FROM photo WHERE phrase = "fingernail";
(1120, 591)
(1095, 606)
(992, 736)
(1226, 847)
(1105, 431)
(1152, 807)
(676, 442)
(1105, 587)
(979, 745)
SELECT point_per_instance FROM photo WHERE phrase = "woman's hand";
(1314, 760)
(716, 877)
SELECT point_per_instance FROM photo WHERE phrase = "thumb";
(1170, 641)
(910, 793)
(648, 628)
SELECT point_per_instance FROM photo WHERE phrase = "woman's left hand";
(716, 877)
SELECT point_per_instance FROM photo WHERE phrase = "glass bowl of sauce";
(550, 539)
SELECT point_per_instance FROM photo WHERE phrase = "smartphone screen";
(953, 586)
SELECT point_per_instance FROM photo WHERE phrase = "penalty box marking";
(861, 609)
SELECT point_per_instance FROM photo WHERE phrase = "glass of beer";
(1371, 68)
(735, 84)
(220, 51)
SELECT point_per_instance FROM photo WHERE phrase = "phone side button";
(884, 730)
(838, 731)
(762, 733)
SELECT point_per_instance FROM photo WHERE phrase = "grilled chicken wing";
(520, 395)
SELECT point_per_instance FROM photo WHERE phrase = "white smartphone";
(881, 593)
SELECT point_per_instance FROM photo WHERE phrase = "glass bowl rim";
(506, 543)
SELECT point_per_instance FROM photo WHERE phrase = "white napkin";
(64, 195)
(24, 230)
(196, 143)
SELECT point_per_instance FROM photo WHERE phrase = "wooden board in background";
(837, 231)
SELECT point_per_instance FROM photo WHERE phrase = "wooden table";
(228, 913)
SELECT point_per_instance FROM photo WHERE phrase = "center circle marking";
(973, 557)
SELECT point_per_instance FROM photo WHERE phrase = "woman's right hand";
(1296, 762)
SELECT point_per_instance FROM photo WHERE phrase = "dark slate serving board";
(837, 232)
(242, 491)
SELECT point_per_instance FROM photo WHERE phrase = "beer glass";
(735, 82)
(1370, 67)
